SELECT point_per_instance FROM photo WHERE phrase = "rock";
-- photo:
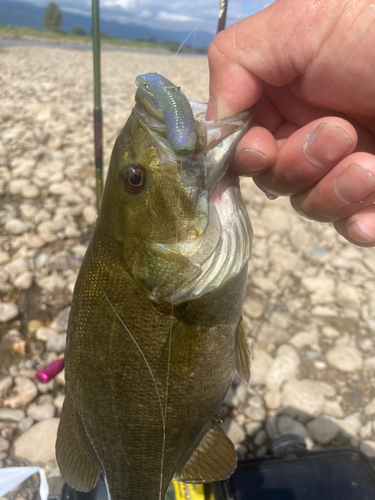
(259, 366)
(317, 254)
(283, 261)
(370, 408)
(15, 226)
(45, 333)
(366, 431)
(368, 448)
(58, 402)
(282, 368)
(370, 364)
(37, 444)
(60, 323)
(264, 284)
(302, 399)
(25, 424)
(4, 444)
(8, 312)
(17, 267)
(5, 385)
(24, 281)
(30, 192)
(287, 425)
(62, 261)
(240, 395)
(347, 296)
(236, 433)
(260, 438)
(254, 306)
(57, 343)
(305, 339)
(41, 411)
(60, 378)
(286, 350)
(252, 428)
(272, 400)
(323, 430)
(330, 333)
(350, 425)
(4, 257)
(313, 285)
(10, 414)
(273, 333)
(25, 391)
(228, 400)
(257, 414)
(90, 214)
(345, 358)
(53, 284)
(275, 220)
(326, 389)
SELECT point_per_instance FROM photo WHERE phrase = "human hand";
(310, 66)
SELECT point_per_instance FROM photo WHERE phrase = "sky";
(178, 15)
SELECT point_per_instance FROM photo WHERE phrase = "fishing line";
(189, 35)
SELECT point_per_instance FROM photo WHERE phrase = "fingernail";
(354, 184)
(252, 160)
(361, 233)
(326, 145)
(211, 110)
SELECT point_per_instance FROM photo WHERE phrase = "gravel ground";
(310, 306)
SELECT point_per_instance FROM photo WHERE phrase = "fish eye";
(134, 178)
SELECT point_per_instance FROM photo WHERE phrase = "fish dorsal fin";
(243, 354)
(214, 459)
(77, 459)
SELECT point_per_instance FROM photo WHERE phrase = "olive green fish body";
(155, 331)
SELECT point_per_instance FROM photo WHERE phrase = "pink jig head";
(50, 371)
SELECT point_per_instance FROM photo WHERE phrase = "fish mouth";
(227, 236)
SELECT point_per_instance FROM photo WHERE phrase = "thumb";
(274, 46)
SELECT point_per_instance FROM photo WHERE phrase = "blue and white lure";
(176, 110)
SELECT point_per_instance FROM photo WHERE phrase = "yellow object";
(185, 491)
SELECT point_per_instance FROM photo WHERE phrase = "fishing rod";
(222, 15)
(98, 119)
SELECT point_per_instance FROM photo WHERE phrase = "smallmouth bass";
(155, 332)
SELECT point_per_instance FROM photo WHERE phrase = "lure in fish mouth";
(155, 332)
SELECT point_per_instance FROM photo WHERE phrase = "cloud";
(179, 18)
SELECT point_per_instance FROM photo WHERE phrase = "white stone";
(260, 365)
(37, 444)
(370, 364)
(302, 399)
(30, 191)
(323, 430)
(333, 409)
(282, 368)
(272, 400)
(347, 296)
(11, 414)
(370, 407)
(90, 214)
(345, 358)
(4, 257)
(17, 267)
(5, 385)
(368, 448)
(264, 284)
(283, 261)
(236, 433)
(8, 311)
(325, 388)
(41, 411)
(15, 226)
(366, 431)
(53, 283)
(330, 333)
(305, 339)
(25, 391)
(350, 425)
(24, 281)
(275, 220)
(45, 333)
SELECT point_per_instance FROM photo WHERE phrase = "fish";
(155, 332)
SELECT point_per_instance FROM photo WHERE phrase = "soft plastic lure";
(176, 110)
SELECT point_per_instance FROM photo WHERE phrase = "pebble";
(236, 433)
(370, 408)
(57, 343)
(368, 448)
(5, 385)
(260, 365)
(287, 425)
(24, 281)
(15, 226)
(272, 400)
(90, 214)
(25, 424)
(41, 411)
(45, 333)
(58, 402)
(366, 430)
(37, 444)
(302, 399)
(4, 444)
(60, 323)
(347, 296)
(260, 437)
(254, 306)
(8, 311)
(350, 425)
(252, 428)
(11, 414)
(305, 339)
(345, 358)
(323, 429)
(282, 368)
(25, 391)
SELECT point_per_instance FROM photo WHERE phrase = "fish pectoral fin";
(243, 354)
(76, 458)
(214, 459)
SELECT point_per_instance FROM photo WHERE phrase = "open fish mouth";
(228, 230)
(217, 240)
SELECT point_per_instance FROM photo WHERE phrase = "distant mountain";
(28, 14)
